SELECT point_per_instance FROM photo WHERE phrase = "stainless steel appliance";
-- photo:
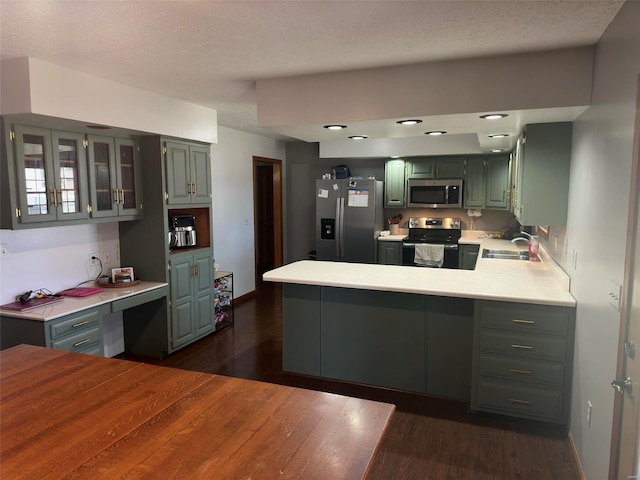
(425, 193)
(182, 231)
(349, 219)
(435, 231)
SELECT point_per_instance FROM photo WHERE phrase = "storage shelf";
(223, 286)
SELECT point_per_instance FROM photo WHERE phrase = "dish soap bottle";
(533, 248)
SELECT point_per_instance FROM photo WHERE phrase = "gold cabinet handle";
(520, 372)
(79, 324)
(81, 342)
(528, 322)
(521, 402)
(115, 195)
(122, 196)
(195, 188)
(60, 196)
(54, 197)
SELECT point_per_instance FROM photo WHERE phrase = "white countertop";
(69, 305)
(541, 282)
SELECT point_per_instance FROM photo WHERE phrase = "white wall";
(233, 232)
(57, 258)
(31, 86)
(596, 230)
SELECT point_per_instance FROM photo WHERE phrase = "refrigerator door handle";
(341, 227)
(337, 227)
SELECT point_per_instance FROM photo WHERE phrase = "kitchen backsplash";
(490, 220)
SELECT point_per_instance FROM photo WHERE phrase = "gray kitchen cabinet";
(542, 163)
(522, 360)
(436, 167)
(468, 256)
(115, 178)
(45, 181)
(56, 176)
(418, 343)
(394, 183)
(188, 173)
(421, 167)
(389, 252)
(474, 183)
(452, 167)
(78, 332)
(498, 182)
(192, 297)
(189, 315)
(488, 182)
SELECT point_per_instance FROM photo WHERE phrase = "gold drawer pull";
(522, 347)
(521, 402)
(79, 324)
(528, 322)
(81, 342)
(521, 372)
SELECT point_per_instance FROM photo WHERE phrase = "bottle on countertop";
(534, 245)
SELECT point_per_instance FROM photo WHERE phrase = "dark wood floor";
(428, 438)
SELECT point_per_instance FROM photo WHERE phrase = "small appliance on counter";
(182, 231)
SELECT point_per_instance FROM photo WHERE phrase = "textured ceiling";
(212, 52)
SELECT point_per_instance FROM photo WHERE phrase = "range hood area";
(449, 96)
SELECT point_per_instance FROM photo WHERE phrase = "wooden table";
(78, 416)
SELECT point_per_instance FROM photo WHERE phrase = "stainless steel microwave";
(423, 193)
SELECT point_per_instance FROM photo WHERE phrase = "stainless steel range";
(441, 233)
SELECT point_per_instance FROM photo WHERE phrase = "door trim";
(277, 212)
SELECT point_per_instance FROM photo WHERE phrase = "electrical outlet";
(93, 261)
(106, 258)
(589, 409)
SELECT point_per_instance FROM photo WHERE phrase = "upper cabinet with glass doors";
(114, 177)
(51, 175)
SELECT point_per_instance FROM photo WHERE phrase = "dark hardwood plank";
(427, 437)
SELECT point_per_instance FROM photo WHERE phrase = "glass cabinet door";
(70, 175)
(34, 164)
(102, 176)
(128, 169)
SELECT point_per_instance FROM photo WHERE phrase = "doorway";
(267, 203)
(625, 444)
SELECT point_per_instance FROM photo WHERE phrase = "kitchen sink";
(507, 254)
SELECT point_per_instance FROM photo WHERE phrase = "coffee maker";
(182, 231)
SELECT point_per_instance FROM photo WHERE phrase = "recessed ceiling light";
(499, 135)
(496, 150)
(358, 137)
(409, 122)
(494, 116)
(335, 127)
(436, 132)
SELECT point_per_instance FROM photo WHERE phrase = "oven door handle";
(447, 246)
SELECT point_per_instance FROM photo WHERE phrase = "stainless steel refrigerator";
(349, 218)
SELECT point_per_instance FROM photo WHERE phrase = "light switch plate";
(615, 295)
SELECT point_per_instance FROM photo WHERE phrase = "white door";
(626, 429)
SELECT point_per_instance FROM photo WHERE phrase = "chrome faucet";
(527, 237)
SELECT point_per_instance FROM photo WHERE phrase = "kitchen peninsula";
(500, 336)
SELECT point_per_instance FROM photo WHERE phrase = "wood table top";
(72, 415)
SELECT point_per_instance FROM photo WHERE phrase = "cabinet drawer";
(520, 400)
(525, 318)
(77, 323)
(525, 345)
(83, 340)
(522, 369)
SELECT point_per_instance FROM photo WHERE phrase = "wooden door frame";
(632, 235)
(277, 212)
